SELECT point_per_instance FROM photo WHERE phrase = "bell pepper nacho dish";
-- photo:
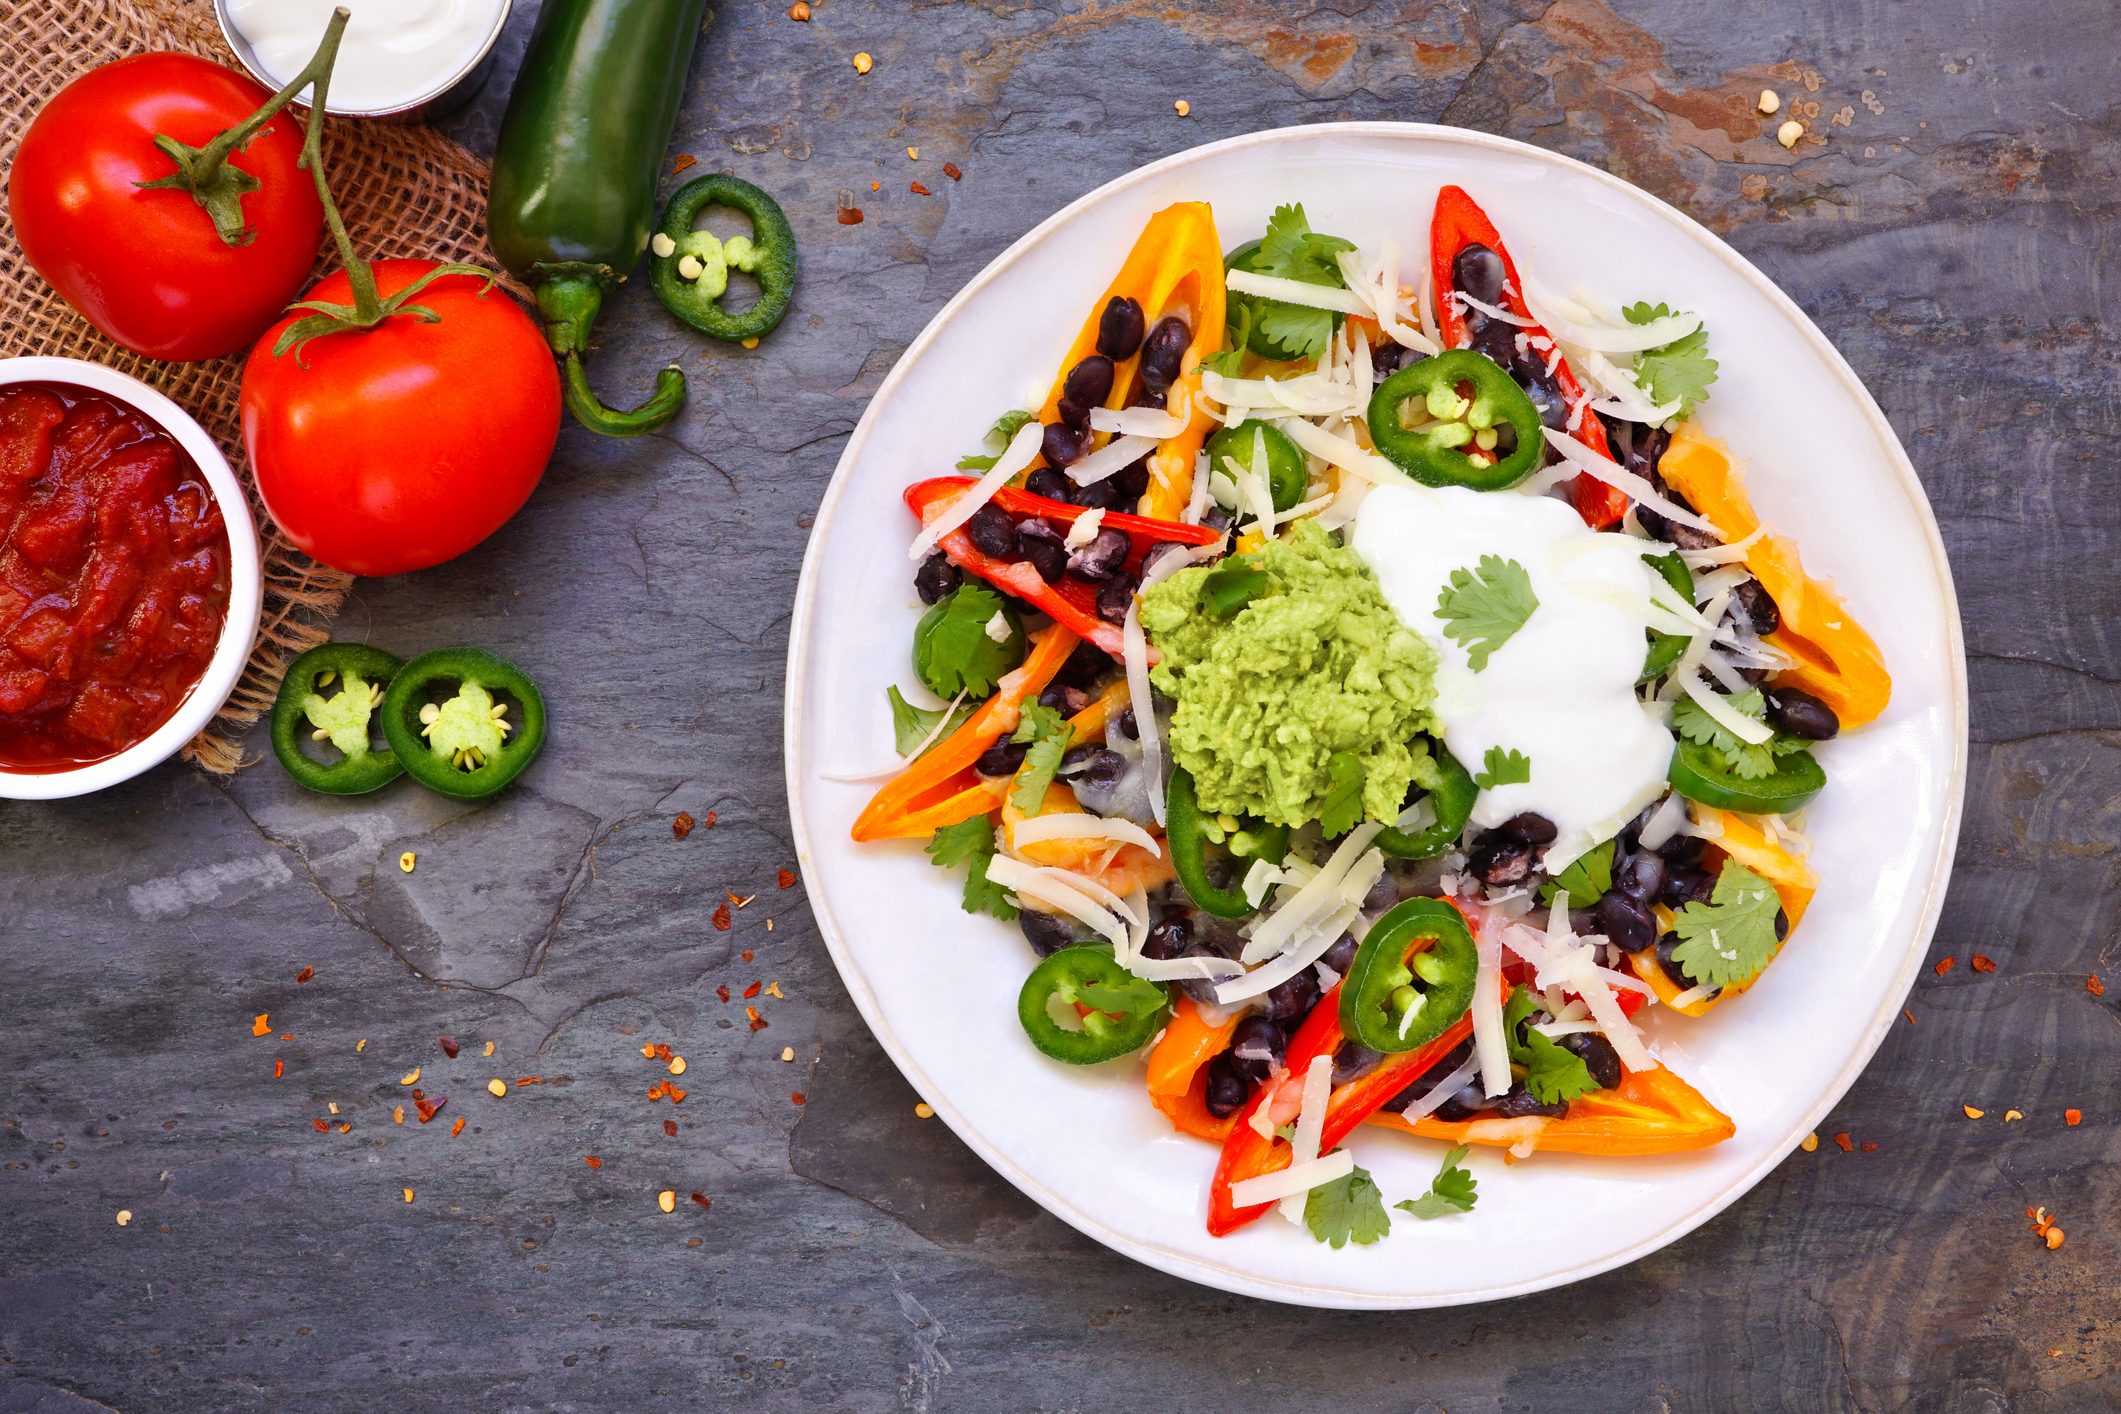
(1369, 698)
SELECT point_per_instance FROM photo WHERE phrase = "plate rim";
(1232, 1278)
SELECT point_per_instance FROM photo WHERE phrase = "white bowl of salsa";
(129, 578)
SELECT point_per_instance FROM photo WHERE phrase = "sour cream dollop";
(1561, 690)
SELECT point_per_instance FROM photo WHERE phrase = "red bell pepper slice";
(1458, 223)
(1070, 603)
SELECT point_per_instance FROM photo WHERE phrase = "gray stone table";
(1952, 233)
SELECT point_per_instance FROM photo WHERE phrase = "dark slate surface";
(1952, 237)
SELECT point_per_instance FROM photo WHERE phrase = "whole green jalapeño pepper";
(344, 719)
(1262, 447)
(1480, 430)
(1118, 1015)
(1452, 801)
(1412, 977)
(463, 742)
(692, 265)
(1698, 773)
(1186, 837)
(1666, 649)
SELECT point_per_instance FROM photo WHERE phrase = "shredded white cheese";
(1275, 932)
(1296, 1179)
(1069, 825)
(1445, 1088)
(1750, 730)
(1134, 655)
(1141, 421)
(1111, 459)
(1310, 1124)
(1490, 1047)
(1613, 474)
(1020, 453)
(1300, 292)
(1343, 452)
(1059, 890)
(1082, 531)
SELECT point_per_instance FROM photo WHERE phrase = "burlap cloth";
(402, 189)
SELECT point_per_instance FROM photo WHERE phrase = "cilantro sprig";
(1045, 733)
(1680, 371)
(1453, 1190)
(953, 651)
(1728, 940)
(911, 725)
(1347, 1209)
(971, 843)
(1552, 1073)
(996, 441)
(1503, 768)
(1743, 759)
(1483, 607)
(1292, 250)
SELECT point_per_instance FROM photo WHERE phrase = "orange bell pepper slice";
(1176, 267)
(1835, 660)
(1178, 1070)
(941, 788)
(1793, 878)
(1650, 1112)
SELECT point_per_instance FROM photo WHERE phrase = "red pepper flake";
(2093, 985)
(702, 1199)
(655, 1091)
(1983, 962)
(2072, 1118)
(1869, 1147)
(345, 1129)
(741, 902)
(796, 1097)
(722, 992)
(682, 826)
(850, 215)
(457, 1128)
(1944, 965)
(751, 991)
(677, 1096)
(670, 1127)
(758, 1023)
(530, 1080)
(720, 918)
(449, 1047)
(593, 1161)
(786, 878)
(304, 975)
(287, 1035)
(1909, 1015)
(659, 1051)
(261, 1025)
(1847, 1145)
(919, 190)
(876, 186)
(279, 1068)
(428, 1108)
(952, 171)
(746, 954)
(708, 823)
(685, 162)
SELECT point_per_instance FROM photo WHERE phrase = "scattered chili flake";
(786, 878)
(648, 1050)
(304, 975)
(677, 1065)
(684, 162)
(677, 1096)
(924, 1110)
(405, 862)
(457, 1128)
(720, 919)
(702, 1199)
(913, 154)
(1971, 1113)
(279, 1068)
(2072, 1118)
(753, 990)
(1810, 1142)
(2054, 1237)
(125, 1215)
(1870, 1147)
(863, 63)
(489, 1048)
(360, 1045)
(397, 1114)
(495, 1087)
(2093, 985)
(1982, 962)
(287, 1035)
(773, 989)
(919, 190)
(345, 1128)
(260, 1025)
(799, 11)
(428, 1108)
(758, 1023)
(876, 186)
(530, 1080)
(708, 823)
(850, 215)
(740, 902)
(670, 1128)
(593, 1161)
(796, 1097)
(410, 1077)
(952, 171)
(746, 954)
(1846, 1144)
(449, 1047)
(1944, 965)
(721, 993)
(319, 1125)
(667, 1200)
(655, 1091)
(1181, 107)
(682, 826)
(2010, 1115)
(408, 1195)
(659, 1051)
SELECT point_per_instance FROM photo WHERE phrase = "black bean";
(1597, 1055)
(1341, 956)
(1479, 272)
(1292, 1001)
(1162, 352)
(1499, 859)
(1119, 328)
(1062, 445)
(1782, 925)
(1100, 767)
(1752, 599)
(1064, 699)
(1114, 597)
(1682, 849)
(1074, 414)
(1040, 544)
(1674, 971)
(1089, 382)
(1258, 1046)
(1353, 1061)
(1797, 712)
(1047, 932)
(1000, 759)
(1640, 875)
(1388, 358)
(1671, 532)
(1216, 518)
(1132, 481)
(993, 531)
(1530, 827)
(1098, 495)
(1470, 1100)
(937, 578)
(1627, 923)
(1519, 1104)
(1493, 338)
(1168, 937)
(1636, 447)
(1048, 483)
(1200, 988)
(1684, 884)
(1086, 664)
(1101, 558)
(1228, 1087)
(1128, 727)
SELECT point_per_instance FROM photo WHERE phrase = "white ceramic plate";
(938, 987)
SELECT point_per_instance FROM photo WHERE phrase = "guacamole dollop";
(1314, 665)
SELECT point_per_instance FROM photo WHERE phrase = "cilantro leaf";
(1588, 875)
(911, 725)
(1743, 759)
(1291, 250)
(1342, 808)
(1133, 997)
(1297, 330)
(1552, 1073)
(996, 441)
(1484, 606)
(1347, 1209)
(1237, 332)
(1680, 371)
(1728, 940)
(954, 652)
(1503, 768)
(1453, 1190)
(1047, 734)
(971, 842)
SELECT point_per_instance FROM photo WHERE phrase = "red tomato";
(402, 446)
(147, 267)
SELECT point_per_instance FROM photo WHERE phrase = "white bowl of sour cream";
(398, 56)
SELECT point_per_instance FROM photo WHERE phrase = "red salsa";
(113, 576)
